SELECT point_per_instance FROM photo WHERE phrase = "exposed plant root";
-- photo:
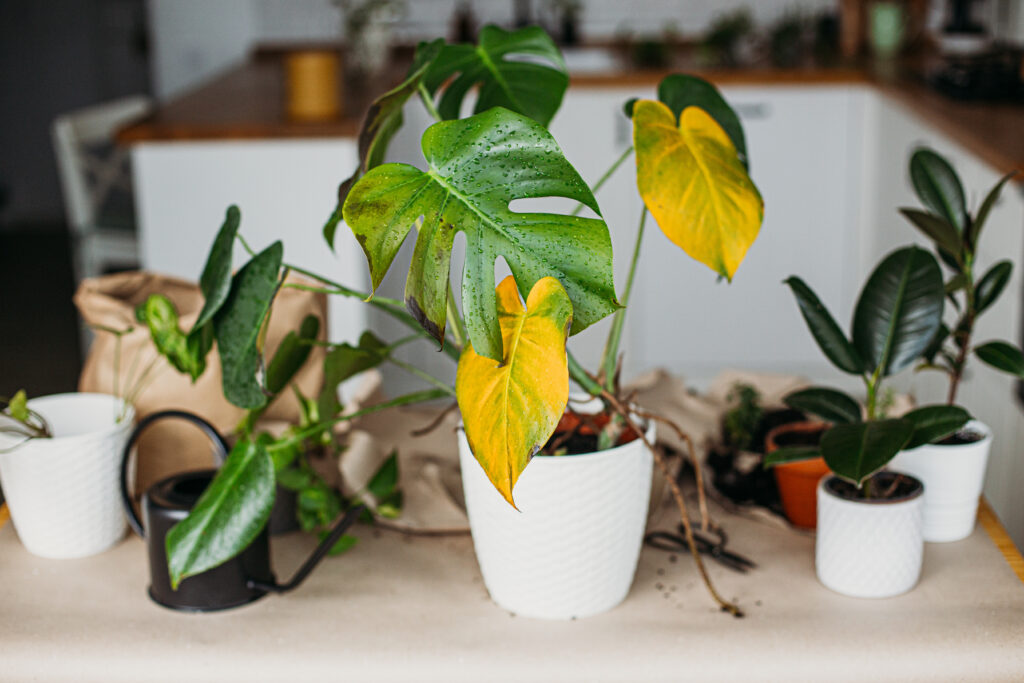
(436, 422)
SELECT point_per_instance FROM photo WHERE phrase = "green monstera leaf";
(476, 167)
(532, 89)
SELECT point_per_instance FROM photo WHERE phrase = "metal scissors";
(711, 544)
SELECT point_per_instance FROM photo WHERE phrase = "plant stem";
(963, 340)
(604, 178)
(609, 358)
(582, 377)
(428, 102)
(425, 376)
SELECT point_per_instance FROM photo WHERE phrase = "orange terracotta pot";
(798, 481)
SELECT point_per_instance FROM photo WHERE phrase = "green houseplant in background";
(953, 470)
(869, 540)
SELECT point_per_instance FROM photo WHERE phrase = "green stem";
(604, 178)
(581, 377)
(428, 102)
(609, 358)
(425, 376)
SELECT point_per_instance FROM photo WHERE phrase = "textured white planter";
(64, 493)
(953, 477)
(868, 549)
(572, 549)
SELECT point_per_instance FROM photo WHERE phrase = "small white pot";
(572, 549)
(868, 549)
(953, 477)
(64, 493)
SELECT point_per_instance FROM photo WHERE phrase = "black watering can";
(239, 581)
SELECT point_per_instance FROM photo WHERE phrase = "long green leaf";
(237, 327)
(933, 423)
(215, 282)
(856, 451)
(938, 187)
(1002, 356)
(899, 310)
(991, 285)
(829, 404)
(938, 229)
(986, 206)
(291, 354)
(935, 345)
(227, 517)
(833, 343)
(477, 166)
(345, 361)
(679, 91)
(786, 454)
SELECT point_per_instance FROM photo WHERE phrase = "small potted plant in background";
(953, 470)
(798, 480)
(869, 541)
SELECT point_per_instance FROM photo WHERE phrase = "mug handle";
(221, 454)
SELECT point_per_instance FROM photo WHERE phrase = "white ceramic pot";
(953, 477)
(868, 549)
(572, 549)
(64, 493)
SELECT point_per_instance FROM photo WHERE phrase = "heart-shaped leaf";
(505, 78)
(986, 206)
(899, 310)
(828, 404)
(833, 343)
(991, 285)
(932, 423)
(938, 187)
(1002, 356)
(215, 282)
(345, 361)
(938, 229)
(476, 167)
(858, 450)
(510, 409)
(238, 323)
(695, 186)
(679, 91)
(786, 454)
(227, 517)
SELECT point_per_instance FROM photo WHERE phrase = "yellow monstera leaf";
(695, 185)
(510, 410)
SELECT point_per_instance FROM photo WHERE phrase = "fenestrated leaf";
(986, 206)
(227, 517)
(237, 327)
(477, 166)
(679, 91)
(833, 343)
(938, 229)
(858, 450)
(829, 404)
(693, 183)
(991, 285)
(938, 187)
(1002, 356)
(383, 119)
(899, 310)
(215, 282)
(511, 409)
(186, 353)
(932, 423)
(790, 454)
(291, 354)
(526, 87)
(345, 361)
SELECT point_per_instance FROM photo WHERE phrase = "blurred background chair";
(96, 182)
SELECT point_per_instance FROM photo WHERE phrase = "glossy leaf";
(986, 206)
(1002, 356)
(899, 310)
(346, 361)
(510, 409)
(693, 183)
(187, 353)
(790, 454)
(504, 78)
(238, 323)
(291, 354)
(215, 282)
(228, 516)
(858, 450)
(831, 339)
(679, 91)
(476, 167)
(939, 230)
(828, 404)
(991, 285)
(938, 187)
(935, 345)
(934, 423)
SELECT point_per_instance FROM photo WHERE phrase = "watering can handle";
(208, 429)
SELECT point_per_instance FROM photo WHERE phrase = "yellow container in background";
(313, 85)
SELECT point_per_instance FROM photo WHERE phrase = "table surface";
(399, 607)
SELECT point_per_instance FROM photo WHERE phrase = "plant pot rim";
(915, 495)
(972, 425)
(114, 426)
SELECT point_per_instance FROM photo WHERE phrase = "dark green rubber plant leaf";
(383, 119)
(933, 423)
(187, 353)
(790, 454)
(215, 282)
(991, 285)
(1002, 356)
(238, 323)
(833, 343)
(227, 517)
(858, 450)
(986, 206)
(938, 187)
(527, 87)
(935, 345)
(345, 361)
(291, 354)
(899, 310)
(828, 404)
(679, 91)
(936, 228)
(476, 167)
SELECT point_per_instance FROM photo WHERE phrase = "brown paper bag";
(171, 446)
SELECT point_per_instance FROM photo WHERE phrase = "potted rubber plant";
(869, 541)
(953, 469)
